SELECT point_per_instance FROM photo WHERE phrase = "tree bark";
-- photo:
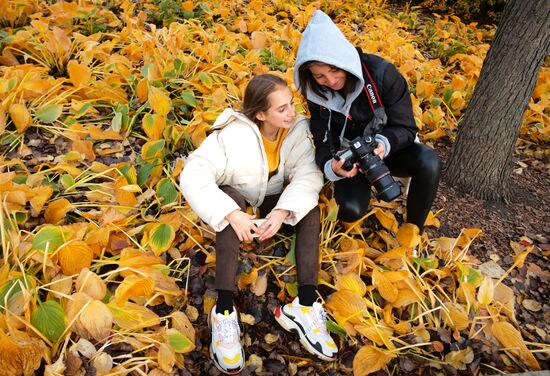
(480, 162)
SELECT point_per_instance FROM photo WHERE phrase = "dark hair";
(306, 80)
(257, 92)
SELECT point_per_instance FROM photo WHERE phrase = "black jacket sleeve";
(319, 130)
(401, 128)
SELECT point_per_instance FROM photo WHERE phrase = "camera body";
(377, 173)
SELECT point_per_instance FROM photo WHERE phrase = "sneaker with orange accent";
(225, 349)
(311, 325)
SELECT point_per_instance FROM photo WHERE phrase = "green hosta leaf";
(291, 255)
(426, 263)
(167, 191)
(179, 342)
(178, 64)
(161, 237)
(164, 269)
(129, 172)
(333, 214)
(21, 217)
(50, 113)
(66, 181)
(447, 95)
(470, 275)
(336, 329)
(116, 123)
(48, 238)
(49, 319)
(292, 289)
(205, 79)
(189, 99)
(9, 290)
(152, 150)
(144, 173)
(83, 109)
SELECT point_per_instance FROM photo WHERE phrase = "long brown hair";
(306, 81)
(257, 92)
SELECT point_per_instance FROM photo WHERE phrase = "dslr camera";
(377, 173)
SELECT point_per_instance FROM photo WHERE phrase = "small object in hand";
(257, 222)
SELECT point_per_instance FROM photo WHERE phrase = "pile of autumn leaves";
(94, 238)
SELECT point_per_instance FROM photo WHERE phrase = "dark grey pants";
(307, 245)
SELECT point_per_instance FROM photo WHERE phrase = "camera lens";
(378, 175)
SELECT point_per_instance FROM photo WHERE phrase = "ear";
(260, 116)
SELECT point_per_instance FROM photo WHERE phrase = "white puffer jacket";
(234, 155)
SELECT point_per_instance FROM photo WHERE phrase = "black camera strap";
(380, 118)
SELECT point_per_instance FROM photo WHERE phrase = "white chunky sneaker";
(225, 349)
(310, 324)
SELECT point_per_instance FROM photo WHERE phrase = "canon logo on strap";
(371, 94)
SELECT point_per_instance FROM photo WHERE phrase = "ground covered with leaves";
(105, 269)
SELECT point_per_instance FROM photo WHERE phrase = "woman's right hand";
(338, 169)
(242, 224)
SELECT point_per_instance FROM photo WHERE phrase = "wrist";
(230, 215)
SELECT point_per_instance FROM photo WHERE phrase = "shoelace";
(229, 330)
(319, 317)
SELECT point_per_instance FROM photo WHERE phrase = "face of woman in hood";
(328, 76)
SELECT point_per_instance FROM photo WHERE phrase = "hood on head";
(322, 41)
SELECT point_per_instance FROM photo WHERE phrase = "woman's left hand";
(379, 150)
(273, 223)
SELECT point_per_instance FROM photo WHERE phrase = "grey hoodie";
(322, 41)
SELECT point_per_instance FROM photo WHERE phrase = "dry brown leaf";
(62, 285)
(353, 282)
(259, 286)
(504, 295)
(379, 334)
(79, 73)
(21, 354)
(91, 284)
(132, 316)
(347, 305)
(20, 116)
(75, 306)
(486, 291)
(370, 359)
(159, 101)
(510, 338)
(103, 363)
(386, 219)
(181, 322)
(74, 256)
(133, 286)
(386, 289)
(408, 235)
(56, 210)
(455, 316)
(460, 359)
(42, 194)
(166, 357)
(247, 279)
(97, 319)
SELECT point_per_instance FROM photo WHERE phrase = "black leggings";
(417, 161)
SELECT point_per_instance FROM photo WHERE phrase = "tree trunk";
(480, 162)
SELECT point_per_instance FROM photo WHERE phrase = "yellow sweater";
(272, 149)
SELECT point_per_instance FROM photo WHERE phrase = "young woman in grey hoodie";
(335, 78)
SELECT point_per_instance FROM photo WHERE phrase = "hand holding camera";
(361, 151)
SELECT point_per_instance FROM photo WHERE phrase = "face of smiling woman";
(280, 114)
(328, 76)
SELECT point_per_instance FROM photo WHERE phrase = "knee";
(351, 211)
(235, 195)
(429, 164)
